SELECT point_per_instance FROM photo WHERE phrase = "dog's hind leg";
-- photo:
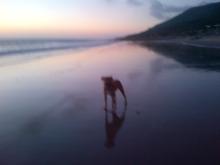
(121, 88)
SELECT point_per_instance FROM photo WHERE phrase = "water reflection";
(113, 123)
(173, 113)
(191, 57)
(65, 107)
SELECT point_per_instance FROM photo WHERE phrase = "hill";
(195, 22)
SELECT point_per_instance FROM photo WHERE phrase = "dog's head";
(107, 79)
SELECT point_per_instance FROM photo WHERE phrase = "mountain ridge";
(195, 22)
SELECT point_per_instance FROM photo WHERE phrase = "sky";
(86, 18)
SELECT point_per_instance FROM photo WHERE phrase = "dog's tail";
(121, 88)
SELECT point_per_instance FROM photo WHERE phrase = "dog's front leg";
(114, 102)
(105, 97)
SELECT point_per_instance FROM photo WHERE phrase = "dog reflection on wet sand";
(110, 88)
(113, 123)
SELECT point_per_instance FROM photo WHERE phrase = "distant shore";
(205, 42)
(209, 42)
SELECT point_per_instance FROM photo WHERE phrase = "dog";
(110, 88)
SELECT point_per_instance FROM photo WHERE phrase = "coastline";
(212, 42)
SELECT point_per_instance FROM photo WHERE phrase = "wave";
(19, 46)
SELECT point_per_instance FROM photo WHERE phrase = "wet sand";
(52, 108)
(208, 42)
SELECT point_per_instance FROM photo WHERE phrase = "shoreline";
(207, 42)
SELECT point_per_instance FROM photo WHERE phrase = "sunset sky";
(85, 18)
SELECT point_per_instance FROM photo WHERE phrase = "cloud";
(164, 11)
(130, 2)
(135, 2)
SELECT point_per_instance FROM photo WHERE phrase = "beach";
(52, 106)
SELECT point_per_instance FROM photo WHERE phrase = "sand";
(52, 108)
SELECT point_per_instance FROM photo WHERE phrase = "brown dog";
(110, 88)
